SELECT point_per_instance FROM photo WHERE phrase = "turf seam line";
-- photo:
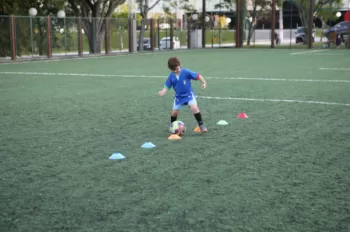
(164, 77)
(335, 69)
(274, 100)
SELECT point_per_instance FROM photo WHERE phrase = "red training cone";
(242, 115)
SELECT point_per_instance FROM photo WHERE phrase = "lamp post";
(281, 21)
(194, 17)
(32, 13)
(207, 19)
(62, 14)
(193, 33)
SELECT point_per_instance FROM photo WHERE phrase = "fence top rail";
(54, 16)
(77, 17)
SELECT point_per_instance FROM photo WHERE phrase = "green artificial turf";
(285, 168)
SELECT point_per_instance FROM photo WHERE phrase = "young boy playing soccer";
(180, 80)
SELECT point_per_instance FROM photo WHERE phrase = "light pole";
(194, 34)
(281, 21)
(32, 12)
(62, 14)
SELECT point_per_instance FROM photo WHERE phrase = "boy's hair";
(173, 63)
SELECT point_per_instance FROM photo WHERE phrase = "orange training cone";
(174, 137)
(242, 115)
(197, 129)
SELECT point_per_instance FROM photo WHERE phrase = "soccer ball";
(177, 127)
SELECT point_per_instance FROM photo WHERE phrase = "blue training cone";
(116, 156)
(148, 145)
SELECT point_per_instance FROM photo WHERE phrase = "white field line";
(327, 54)
(274, 100)
(164, 77)
(335, 69)
(307, 52)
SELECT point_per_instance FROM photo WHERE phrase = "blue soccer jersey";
(182, 85)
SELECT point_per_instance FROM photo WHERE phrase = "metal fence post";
(80, 40)
(151, 21)
(171, 34)
(48, 33)
(188, 33)
(107, 37)
(13, 38)
(310, 29)
(203, 23)
(238, 23)
(273, 24)
(131, 35)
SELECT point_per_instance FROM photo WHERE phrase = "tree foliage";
(145, 6)
(26, 26)
(94, 14)
(261, 9)
(123, 15)
(172, 6)
(324, 9)
(319, 9)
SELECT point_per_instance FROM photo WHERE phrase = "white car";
(165, 43)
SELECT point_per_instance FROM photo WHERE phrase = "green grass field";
(285, 168)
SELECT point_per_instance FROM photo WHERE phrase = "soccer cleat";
(200, 129)
(203, 128)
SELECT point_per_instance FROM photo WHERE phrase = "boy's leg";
(175, 112)
(197, 114)
(174, 115)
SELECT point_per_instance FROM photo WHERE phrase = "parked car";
(146, 44)
(341, 29)
(300, 35)
(165, 43)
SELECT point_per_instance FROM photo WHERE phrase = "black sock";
(198, 117)
(173, 119)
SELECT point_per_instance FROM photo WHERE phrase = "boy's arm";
(201, 79)
(197, 76)
(166, 87)
(163, 91)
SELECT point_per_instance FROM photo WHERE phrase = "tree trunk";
(94, 30)
(306, 37)
(250, 33)
(94, 14)
(5, 37)
(95, 43)
(142, 33)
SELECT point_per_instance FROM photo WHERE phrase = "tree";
(261, 9)
(123, 16)
(24, 25)
(144, 7)
(169, 7)
(94, 13)
(173, 6)
(319, 9)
